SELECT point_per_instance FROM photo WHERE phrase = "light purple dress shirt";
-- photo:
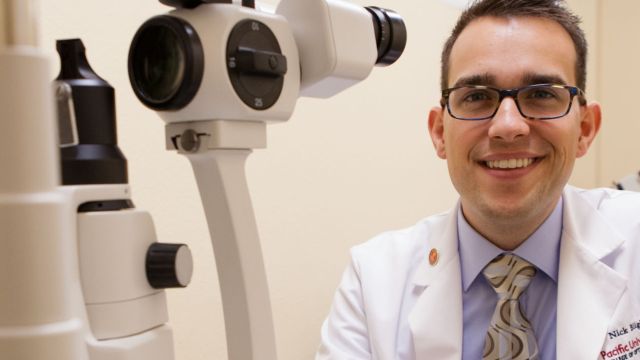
(539, 301)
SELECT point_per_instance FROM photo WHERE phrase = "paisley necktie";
(510, 335)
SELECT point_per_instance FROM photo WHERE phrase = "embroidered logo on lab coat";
(622, 342)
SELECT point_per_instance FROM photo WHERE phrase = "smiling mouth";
(509, 163)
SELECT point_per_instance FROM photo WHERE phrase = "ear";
(589, 127)
(436, 130)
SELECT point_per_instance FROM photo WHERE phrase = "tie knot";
(509, 275)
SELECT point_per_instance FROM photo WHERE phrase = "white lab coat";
(393, 305)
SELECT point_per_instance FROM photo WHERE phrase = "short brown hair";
(554, 10)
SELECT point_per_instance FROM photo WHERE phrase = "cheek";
(460, 140)
(563, 139)
(451, 145)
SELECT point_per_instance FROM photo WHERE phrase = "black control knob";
(169, 265)
(255, 64)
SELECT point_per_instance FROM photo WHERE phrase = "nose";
(508, 124)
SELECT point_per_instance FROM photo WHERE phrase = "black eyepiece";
(166, 63)
(391, 34)
(89, 152)
(187, 4)
(190, 4)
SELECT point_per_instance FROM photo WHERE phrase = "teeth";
(509, 164)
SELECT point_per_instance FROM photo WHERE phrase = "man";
(524, 267)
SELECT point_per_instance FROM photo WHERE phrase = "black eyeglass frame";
(513, 93)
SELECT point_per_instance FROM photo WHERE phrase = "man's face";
(510, 53)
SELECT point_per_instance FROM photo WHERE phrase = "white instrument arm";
(218, 151)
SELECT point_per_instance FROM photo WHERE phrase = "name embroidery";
(622, 349)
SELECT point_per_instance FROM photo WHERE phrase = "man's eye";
(477, 96)
(542, 94)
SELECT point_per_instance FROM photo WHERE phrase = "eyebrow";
(533, 78)
(479, 79)
(487, 79)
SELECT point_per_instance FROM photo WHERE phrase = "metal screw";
(190, 141)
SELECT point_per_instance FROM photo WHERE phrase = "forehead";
(510, 51)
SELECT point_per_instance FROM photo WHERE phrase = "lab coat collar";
(436, 318)
(589, 290)
(442, 240)
(587, 227)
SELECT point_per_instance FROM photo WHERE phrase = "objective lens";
(165, 63)
(158, 64)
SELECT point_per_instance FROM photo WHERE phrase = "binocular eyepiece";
(391, 34)
(190, 4)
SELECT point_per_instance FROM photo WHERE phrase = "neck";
(507, 231)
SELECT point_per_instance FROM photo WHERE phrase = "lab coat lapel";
(588, 290)
(436, 318)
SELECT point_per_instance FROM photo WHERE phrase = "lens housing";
(166, 63)
(391, 34)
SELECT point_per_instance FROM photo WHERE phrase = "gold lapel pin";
(433, 257)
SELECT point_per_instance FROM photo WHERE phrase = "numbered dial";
(255, 64)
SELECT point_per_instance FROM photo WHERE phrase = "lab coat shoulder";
(598, 285)
(618, 205)
(368, 318)
(606, 221)
(622, 210)
(395, 254)
(388, 263)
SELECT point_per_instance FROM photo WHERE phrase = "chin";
(518, 208)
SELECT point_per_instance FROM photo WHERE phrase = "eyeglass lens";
(534, 102)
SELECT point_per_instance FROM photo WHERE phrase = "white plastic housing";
(156, 344)
(216, 98)
(38, 316)
(29, 157)
(336, 42)
(112, 248)
(123, 317)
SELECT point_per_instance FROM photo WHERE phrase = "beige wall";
(614, 72)
(619, 78)
(338, 172)
(585, 173)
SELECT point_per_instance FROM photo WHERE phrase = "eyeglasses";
(536, 102)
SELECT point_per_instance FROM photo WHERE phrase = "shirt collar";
(541, 249)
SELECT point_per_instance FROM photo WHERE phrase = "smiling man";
(524, 267)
